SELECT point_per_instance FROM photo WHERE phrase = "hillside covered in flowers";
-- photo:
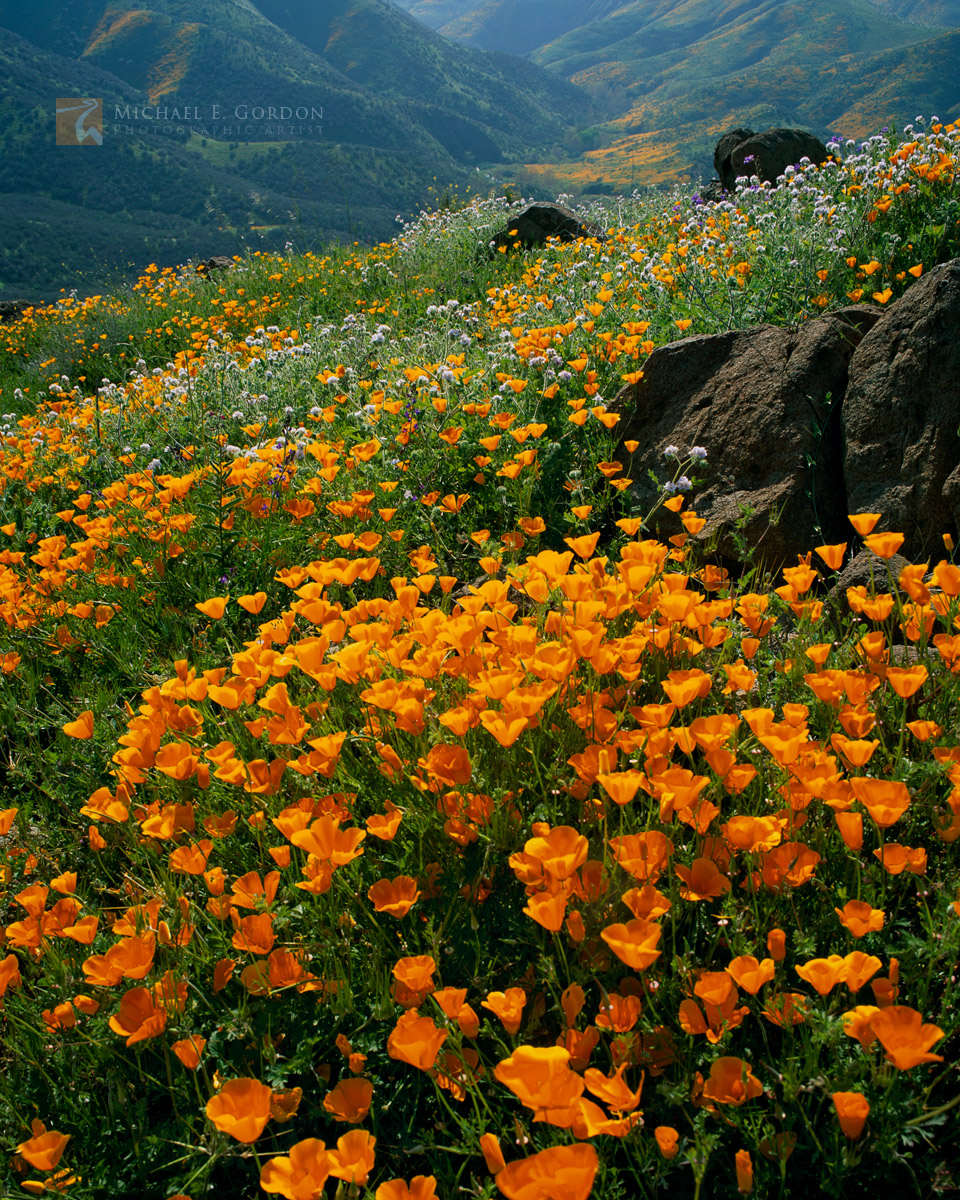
(390, 808)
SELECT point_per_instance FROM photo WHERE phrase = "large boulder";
(219, 262)
(540, 221)
(901, 414)
(721, 155)
(764, 402)
(768, 154)
(12, 310)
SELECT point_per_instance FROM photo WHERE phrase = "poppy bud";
(777, 944)
(744, 1172)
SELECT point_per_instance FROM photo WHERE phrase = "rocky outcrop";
(764, 402)
(856, 411)
(721, 155)
(901, 414)
(12, 310)
(538, 222)
(219, 262)
(766, 155)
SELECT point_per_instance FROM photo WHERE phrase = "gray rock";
(541, 221)
(901, 415)
(13, 310)
(764, 402)
(768, 154)
(721, 155)
(219, 262)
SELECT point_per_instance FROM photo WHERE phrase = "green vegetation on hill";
(385, 143)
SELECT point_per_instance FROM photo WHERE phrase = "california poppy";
(299, 1176)
(542, 1080)
(566, 1171)
(45, 1148)
(731, 1082)
(852, 1111)
(905, 1037)
(241, 1108)
(416, 1040)
(350, 1100)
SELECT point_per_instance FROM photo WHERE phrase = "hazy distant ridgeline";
(673, 74)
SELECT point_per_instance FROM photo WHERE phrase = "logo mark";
(79, 122)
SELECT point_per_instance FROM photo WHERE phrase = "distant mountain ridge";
(386, 133)
(673, 74)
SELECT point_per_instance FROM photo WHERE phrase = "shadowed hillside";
(372, 146)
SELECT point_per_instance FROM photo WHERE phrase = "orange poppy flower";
(886, 800)
(189, 1050)
(82, 727)
(299, 1176)
(421, 1187)
(416, 1040)
(414, 979)
(241, 1108)
(255, 934)
(731, 1082)
(752, 834)
(9, 975)
(860, 918)
(824, 973)
(139, 1017)
(702, 880)
(832, 555)
(560, 851)
(856, 1024)
(584, 545)
(852, 1111)
(744, 1168)
(621, 786)
(863, 523)
(896, 858)
(634, 942)
(850, 826)
(45, 1149)
(542, 1080)
(860, 968)
(567, 1171)
(394, 896)
(350, 1100)
(786, 1008)
(906, 681)
(213, 608)
(284, 1105)
(667, 1139)
(547, 910)
(253, 604)
(644, 855)
(884, 545)
(750, 974)
(619, 1013)
(612, 1089)
(385, 825)
(508, 1006)
(683, 687)
(647, 903)
(905, 1037)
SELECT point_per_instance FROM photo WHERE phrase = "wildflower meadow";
(390, 808)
